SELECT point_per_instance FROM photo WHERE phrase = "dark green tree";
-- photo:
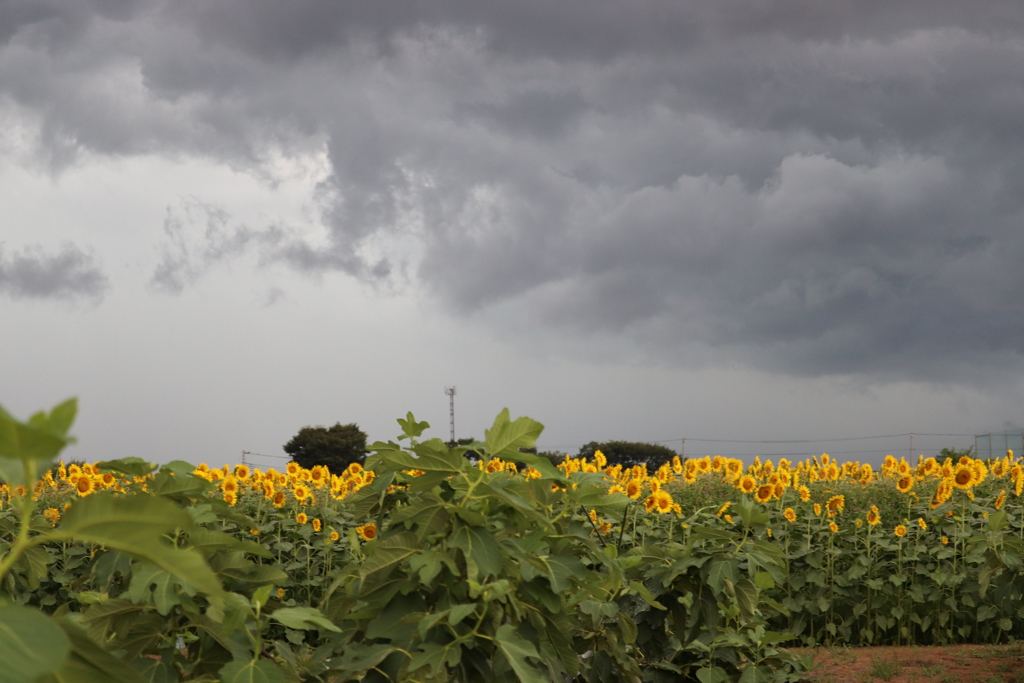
(629, 453)
(336, 447)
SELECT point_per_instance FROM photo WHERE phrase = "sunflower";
(84, 485)
(921, 523)
(367, 532)
(230, 497)
(873, 518)
(789, 514)
(301, 492)
(747, 484)
(279, 499)
(301, 518)
(1000, 499)
(835, 504)
(964, 477)
(242, 471)
(254, 532)
(900, 530)
(617, 488)
(945, 540)
(634, 487)
(721, 510)
(805, 493)
(833, 527)
(650, 501)
(663, 502)
(817, 509)
(316, 524)
(905, 484)
(230, 485)
(334, 536)
(765, 492)
(292, 469)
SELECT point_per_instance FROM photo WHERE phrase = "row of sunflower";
(862, 544)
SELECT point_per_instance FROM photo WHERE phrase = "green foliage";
(333, 447)
(629, 453)
(473, 575)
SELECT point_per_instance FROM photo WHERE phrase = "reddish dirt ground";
(947, 664)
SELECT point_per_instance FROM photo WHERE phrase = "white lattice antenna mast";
(450, 391)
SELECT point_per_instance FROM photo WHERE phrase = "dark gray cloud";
(810, 187)
(37, 273)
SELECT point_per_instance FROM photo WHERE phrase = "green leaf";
(152, 585)
(89, 662)
(720, 570)
(135, 525)
(411, 429)
(997, 522)
(136, 467)
(254, 671)
(303, 618)
(31, 644)
(483, 554)
(713, 674)
(506, 437)
(460, 612)
(516, 650)
(387, 553)
(627, 628)
(41, 438)
(647, 596)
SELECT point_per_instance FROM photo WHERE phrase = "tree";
(336, 447)
(629, 453)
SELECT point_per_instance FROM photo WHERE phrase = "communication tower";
(450, 391)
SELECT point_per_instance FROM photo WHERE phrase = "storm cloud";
(37, 273)
(813, 188)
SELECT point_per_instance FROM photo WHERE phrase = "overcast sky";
(647, 220)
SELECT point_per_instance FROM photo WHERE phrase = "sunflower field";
(425, 565)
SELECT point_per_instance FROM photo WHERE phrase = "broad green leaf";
(138, 518)
(358, 659)
(460, 612)
(253, 671)
(387, 553)
(429, 514)
(303, 618)
(41, 438)
(997, 522)
(559, 570)
(483, 554)
(135, 525)
(646, 594)
(90, 663)
(207, 539)
(627, 628)
(434, 656)
(712, 674)
(411, 429)
(516, 650)
(429, 460)
(136, 467)
(506, 437)
(31, 644)
(719, 570)
(153, 585)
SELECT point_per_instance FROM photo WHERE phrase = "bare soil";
(945, 664)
